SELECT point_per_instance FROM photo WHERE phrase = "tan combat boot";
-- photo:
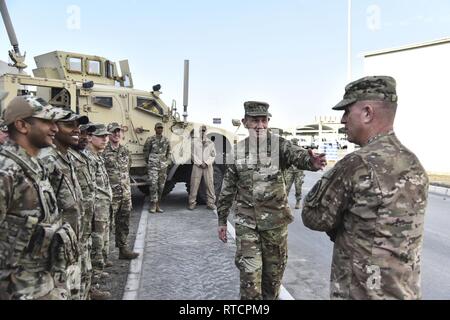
(211, 206)
(158, 208)
(126, 254)
(152, 208)
(192, 206)
(96, 294)
(108, 264)
(298, 205)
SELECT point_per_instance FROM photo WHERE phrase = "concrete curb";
(440, 191)
(134, 276)
(284, 294)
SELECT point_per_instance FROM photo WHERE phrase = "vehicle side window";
(149, 105)
(75, 64)
(103, 101)
(94, 67)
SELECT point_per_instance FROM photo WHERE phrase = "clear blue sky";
(289, 53)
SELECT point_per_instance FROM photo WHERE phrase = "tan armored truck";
(92, 86)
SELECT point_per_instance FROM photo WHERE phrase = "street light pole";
(349, 42)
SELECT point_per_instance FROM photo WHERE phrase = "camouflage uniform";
(118, 164)
(86, 178)
(372, 205)
(294, 176)
(28, 211)
(256, 181)
(37, 250)
(70, 201)
(102, 214)
(158, 150)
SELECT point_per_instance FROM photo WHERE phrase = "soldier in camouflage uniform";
(157, 153)
(255, 180)
(118, 163)
(85, 174)
(30, 223)
(294, 176)
(372, 203)
(64, 181)
(103, 197)
(3, 133)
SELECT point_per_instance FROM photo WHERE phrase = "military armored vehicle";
(92, 86)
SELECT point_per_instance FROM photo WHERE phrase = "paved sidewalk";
(183, 259)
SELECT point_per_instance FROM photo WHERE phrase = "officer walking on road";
(255, 180)
(372, 203)
(294, 176)
(157, 153)
(118, 163)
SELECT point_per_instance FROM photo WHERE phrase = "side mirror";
(236, 122)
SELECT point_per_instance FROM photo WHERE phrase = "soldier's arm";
(197, 148)
(294, 155)
(6, 193)
(327, 201)
(227, 195)
(211, 155)
(130, 161)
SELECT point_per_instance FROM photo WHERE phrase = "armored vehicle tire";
(144, 190)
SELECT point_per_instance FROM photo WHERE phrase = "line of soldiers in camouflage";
(62, 188)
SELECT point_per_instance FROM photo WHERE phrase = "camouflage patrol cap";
(256, 109)
(89, 127)
(72, 116)
(378, 88)
(159, 125)
(23, 107)
(3, 126)
(100, 130)
(114, 126)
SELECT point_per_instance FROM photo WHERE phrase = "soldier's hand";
(223, 234)
(318, 161)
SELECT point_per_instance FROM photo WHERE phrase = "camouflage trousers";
(121, 211)
(100, 235)
(25, 285)
(86, 269)
(261, 258)
(294, 177)
(70, 279)
(86, 249)
(157, 176)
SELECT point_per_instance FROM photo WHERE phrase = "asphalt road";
(308, 271)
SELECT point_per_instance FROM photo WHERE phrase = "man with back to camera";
(255, 180)
(372, 203)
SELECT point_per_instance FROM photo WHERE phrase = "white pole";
(349, 42)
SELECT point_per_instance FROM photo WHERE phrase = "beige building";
(422, 74)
